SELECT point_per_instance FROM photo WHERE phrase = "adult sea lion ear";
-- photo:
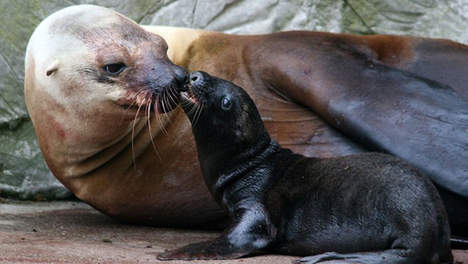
(53, 67)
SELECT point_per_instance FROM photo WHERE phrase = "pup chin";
(187, 94)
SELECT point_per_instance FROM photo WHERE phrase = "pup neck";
(241, 166)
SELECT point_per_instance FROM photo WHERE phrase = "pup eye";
(226, 103)
(114, 68)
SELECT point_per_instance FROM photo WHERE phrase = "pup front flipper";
(251, 230)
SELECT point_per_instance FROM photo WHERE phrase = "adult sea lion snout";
(182, 75)
(165, 81)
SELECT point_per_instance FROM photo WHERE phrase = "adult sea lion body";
(319, 94)
(369, 207)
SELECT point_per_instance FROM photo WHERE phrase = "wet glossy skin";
(370, 207)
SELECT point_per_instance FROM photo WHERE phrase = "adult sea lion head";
(104, 55)
(88, 67)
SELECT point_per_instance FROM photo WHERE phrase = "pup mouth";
(188, 95)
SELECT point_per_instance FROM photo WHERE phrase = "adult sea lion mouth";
(160, 103)
(166, 101)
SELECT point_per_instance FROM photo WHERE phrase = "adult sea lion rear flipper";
(382, 107)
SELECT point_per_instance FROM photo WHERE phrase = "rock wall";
(23, 173)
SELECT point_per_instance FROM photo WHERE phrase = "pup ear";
(53, 67)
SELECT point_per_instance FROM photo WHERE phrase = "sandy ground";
(73, 232)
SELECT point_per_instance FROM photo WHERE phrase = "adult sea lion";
(93, 80)
(320, 94)
(369, 207)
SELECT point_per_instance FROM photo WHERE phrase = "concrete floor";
(73, 232)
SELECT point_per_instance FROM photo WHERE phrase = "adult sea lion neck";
(178, 39)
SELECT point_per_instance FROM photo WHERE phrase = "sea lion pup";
(370, 207)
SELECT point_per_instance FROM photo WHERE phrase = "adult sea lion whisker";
(171, 94)
(150, 132)
(159, 115)
(168, 99)
(133, 103)
(133, 137)
(163, 103)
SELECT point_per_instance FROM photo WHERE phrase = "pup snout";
(197, 78)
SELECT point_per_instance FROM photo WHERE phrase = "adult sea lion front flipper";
(377, 103)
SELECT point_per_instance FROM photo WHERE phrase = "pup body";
(371, 208)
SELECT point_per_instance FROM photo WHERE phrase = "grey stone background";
(23, 173)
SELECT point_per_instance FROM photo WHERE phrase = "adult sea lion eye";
(226, 103)
(114, 68)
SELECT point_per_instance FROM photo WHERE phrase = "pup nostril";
(196, 78)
